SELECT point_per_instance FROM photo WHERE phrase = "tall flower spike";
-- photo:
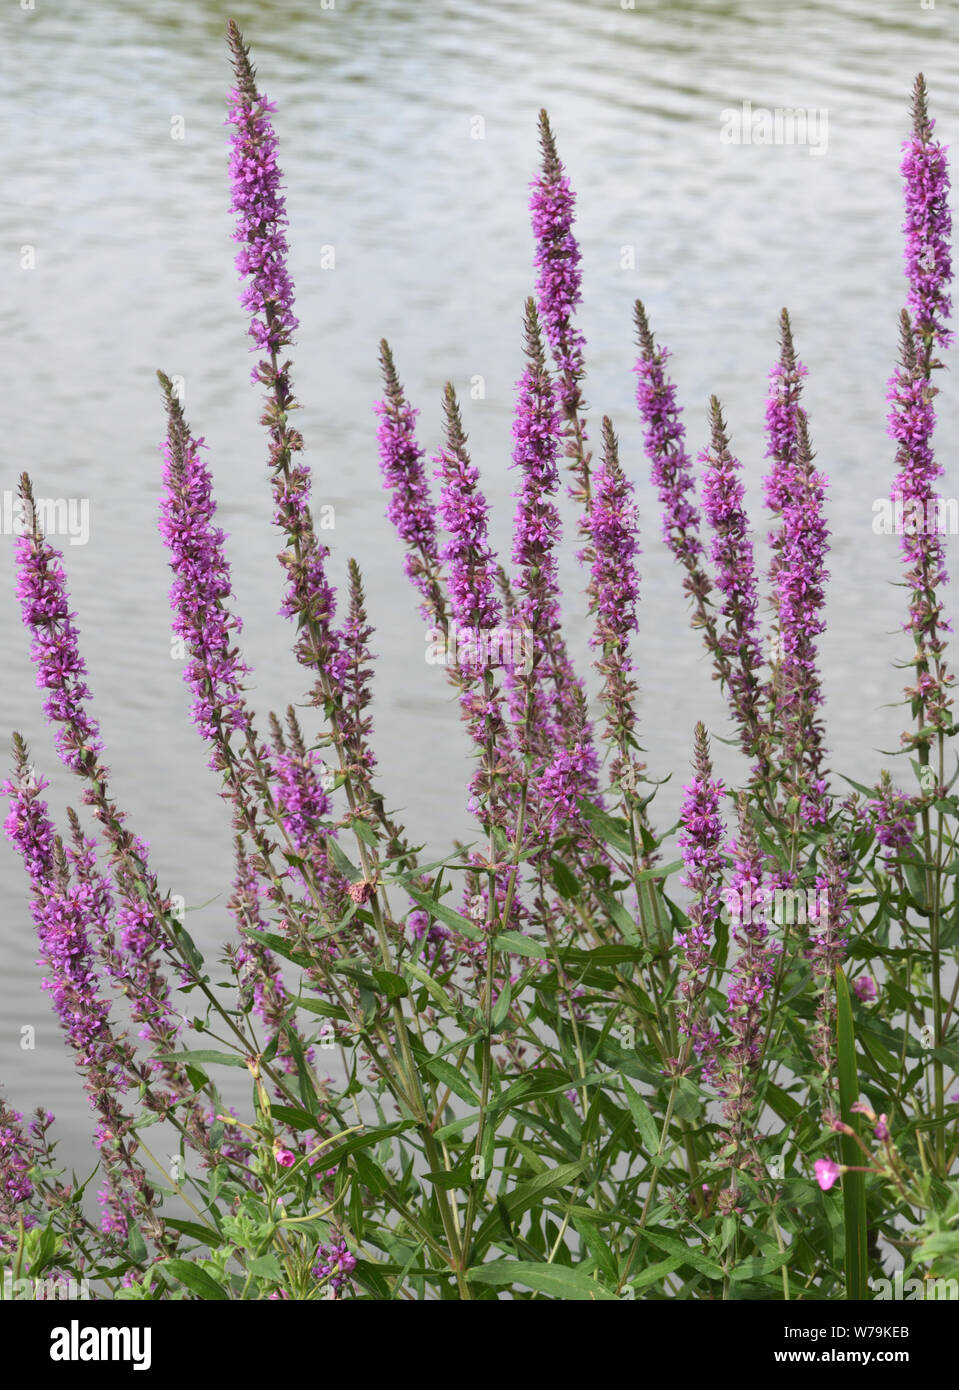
(800, 584)
(671, 468)
(732, 553)
(547, 699)
(911, 424)
(558, 291)
(201, 586)
(261, 215)
(782, 404)
(410, 508)
(700, 845)
(614, 591)
(928, 228)
(260, 208)
(672, 474)
(61, 671)
(475, 610)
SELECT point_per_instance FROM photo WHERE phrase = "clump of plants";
(557, 1076)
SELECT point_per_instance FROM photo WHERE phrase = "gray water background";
(377, 105)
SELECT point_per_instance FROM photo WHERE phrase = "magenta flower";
(61, 671)
(882, 1129)
(410, 508)
(614, 592)
(794, 492)
(864, 988)
(548, 702)
(928, 226)
(911, 424)
(201, 586)
(732, 553)
(827, 1172)
(284, 1157)
(557, 260)
(335, 1264)
(671, 467)
(700, 845)
(260, 210)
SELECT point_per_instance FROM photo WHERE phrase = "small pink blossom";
(284, 1157)
(865, 988)
(826, 1172)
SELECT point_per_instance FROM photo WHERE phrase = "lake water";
(127, 230)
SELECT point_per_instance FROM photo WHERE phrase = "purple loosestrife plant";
(554, 1049)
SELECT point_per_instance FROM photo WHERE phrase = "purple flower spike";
(671, 468)
(547, 699)
(260, 209)
(201, 587)
(794, 491)
(470, 562)
(45, 606)
(614, 589)
(700, 845)
(928, 227)
(911, 424)
(732, 553)
(410, 509)
(557, 260)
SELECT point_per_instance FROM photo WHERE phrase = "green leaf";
(502, 1007)
(293, 1116)
(853, 1184)
(205, 1234)
(196, 1280)
(568, 885)
(562, 1282)
(393, 986)
(614, 831)
(454, 1081)
(435, 988)
(211, 1058)
(519, 945)
(136, 1245)
(642, 1119)
(342, 863)
(265, 1267)
(757, 1266)
(652, 1273)
(445, 914)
